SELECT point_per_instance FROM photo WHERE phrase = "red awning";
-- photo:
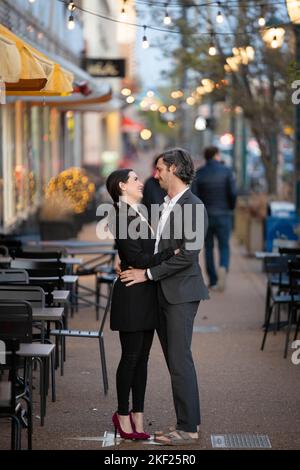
(129, 125)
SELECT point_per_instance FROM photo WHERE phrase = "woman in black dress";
(134, 308)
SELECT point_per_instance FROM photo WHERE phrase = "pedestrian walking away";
(215, 185)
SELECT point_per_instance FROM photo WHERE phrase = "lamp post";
(293, 8)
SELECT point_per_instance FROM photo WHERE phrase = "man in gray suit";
(182, 225)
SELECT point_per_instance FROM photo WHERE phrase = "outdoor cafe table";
(69, 243)
(47, 314)
(90, 251)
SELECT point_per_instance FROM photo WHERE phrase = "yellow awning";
(32, 71)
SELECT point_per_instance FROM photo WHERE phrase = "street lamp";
(293, 8)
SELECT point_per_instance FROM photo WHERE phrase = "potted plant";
(66, 199)
(56, 218)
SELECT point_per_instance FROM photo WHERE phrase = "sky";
(150, 61)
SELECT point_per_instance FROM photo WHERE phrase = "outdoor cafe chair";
(289, 297)
(276, 269)
(4, 250)
(291, 252)
(15, 327)
(36, 298)
(13, 276)
(11, 243)
(294, 277)
(103, 262)
(47, 272)
(90, 334)
(43, 256)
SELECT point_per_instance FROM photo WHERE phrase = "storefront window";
(36, 155)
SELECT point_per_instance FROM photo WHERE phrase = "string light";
(71, 6)
(130, 99)
(145, 43)
(212, 51)
(172, 108)
(126, 91)
(261, 19)
(145, 134)
(123, 11)
(274, 43)
(219, 18)
(190, 101)
(31, 1)
(162, 109)
(71, 22)
(231, 3)
(167, 18)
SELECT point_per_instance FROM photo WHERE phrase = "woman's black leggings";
(132, 369)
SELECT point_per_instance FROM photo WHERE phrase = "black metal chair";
(13, 276)
(48, 275)
(15, 327)
(294, 277)
(103, 262)
(42, 256)
(12, 244)
(91, 334)
(4, 250)
(276, 269)
(288, 294)
(291, 252)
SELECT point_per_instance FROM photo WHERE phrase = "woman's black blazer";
(135, 308)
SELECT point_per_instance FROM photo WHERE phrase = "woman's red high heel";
(141, 435)
(123, 434)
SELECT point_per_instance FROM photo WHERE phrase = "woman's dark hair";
(113, 180)
(183, 162)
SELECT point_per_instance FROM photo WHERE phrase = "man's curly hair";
(183, 162)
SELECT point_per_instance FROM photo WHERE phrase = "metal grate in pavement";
(206, 329)
(240, 441)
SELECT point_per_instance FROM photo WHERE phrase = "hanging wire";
(230, 3)
(172, 31)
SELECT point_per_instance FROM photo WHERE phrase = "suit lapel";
(180, 202)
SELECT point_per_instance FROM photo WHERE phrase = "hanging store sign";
(112, 68)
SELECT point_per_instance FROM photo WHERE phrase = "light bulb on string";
(274, 43)
(123, 15)
(71, 22)
(167, 18)
(145, 43)
(219, 17)
(71, 6)
(123, 11)
(31, 1)
(212, 50)
(261, 19)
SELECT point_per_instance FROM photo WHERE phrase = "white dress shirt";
(168, 206)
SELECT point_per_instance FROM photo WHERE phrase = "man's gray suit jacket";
(180, 276)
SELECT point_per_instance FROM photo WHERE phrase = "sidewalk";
(242, 389)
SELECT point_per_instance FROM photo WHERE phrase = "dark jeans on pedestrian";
(220, 228)
(132, 370)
